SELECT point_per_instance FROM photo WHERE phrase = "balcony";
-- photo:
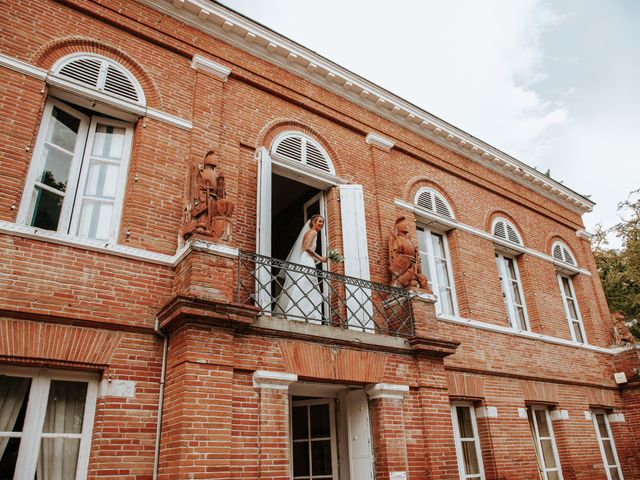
(315, 296)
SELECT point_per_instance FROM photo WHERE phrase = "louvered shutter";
(299, 148)
(562, 253)
(356, 255)
(263, 226)
(102, 75)
(506, 231)
(434, 202)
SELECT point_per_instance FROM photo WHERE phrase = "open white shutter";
(263, 226)
(359, 430)
(356, 255)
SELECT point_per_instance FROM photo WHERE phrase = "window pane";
(522, 321)
(63, 129)
(102, 180)
(14, 393)
(443, 272)
(320, 425)
(573, 314)
(10, 447)
(615, 475)
(608, 452)
(464, 422)
(300, 459)
(65, 407)
(321, 457)
(577, 332)
(299, 423)
(566, 287)
(547, 453)
(438, 245)
(602, 425)
(446, 301)
(470, 457)
(58, 459)
(553, 476)
(95, 219)
(46, 209)
(108, 142)
(511, 268)
(516, 293)
(426, 269)
(56, 168)
(541, 420)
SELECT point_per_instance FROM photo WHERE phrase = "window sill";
(115, 249)
(525, 334)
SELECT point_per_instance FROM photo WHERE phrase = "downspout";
(165, 345)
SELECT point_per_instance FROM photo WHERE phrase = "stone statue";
(208, 212)
(404, 258)
(621, 332)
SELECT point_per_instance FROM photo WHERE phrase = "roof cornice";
(264, 43)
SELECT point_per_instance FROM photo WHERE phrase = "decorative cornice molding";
(584, 234)
(249, 36)
(273, 380)
(207, 65)
(379, 141)
(63, 84)
(386, 390)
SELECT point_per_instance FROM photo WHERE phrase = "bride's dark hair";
(313, 218)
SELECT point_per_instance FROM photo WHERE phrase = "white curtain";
(65, 411)
(13, 392)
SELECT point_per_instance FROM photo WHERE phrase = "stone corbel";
(387, 390)
(273, 380)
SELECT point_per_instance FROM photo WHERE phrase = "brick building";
(128, 352)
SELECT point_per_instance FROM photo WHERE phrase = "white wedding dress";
(300, 296)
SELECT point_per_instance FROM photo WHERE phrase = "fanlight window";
(434, 202)
(103, 75)
(505, 230)
(300, 148)
(562, 253)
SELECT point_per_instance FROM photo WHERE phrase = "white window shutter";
(263, 225)
(359, 431)
(356, 255)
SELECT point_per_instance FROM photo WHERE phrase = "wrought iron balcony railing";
(320, 297)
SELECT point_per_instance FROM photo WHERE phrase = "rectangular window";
(512, 291)
(436, 265)
(571, 308)
(607, 445)
(77, 176)
(544, 442)
(46, 419)
(313, 440)
(468, 451)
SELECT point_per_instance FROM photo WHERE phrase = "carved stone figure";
(404, 258)
(621, 332)
(208, 212)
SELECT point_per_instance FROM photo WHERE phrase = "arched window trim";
(103, 76)
(434, 202)
(511, 234)
(303, 160)
(562, 253)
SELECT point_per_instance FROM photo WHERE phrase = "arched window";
(561, 252)
(502, 228)
(78, 171)
(431, 200)
(298, 147)
(101, 74)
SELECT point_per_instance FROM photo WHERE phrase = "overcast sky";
(554, 83)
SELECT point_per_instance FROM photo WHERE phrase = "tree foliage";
(620, 269)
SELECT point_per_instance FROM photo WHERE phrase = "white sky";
(554, 83)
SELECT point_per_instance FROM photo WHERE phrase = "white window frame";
(333, 435)
(35, 415)
(538, 441)
(607, 467)
(458, 440)
(505, 281)
(567, 311)
(432, 268)
(70, 212)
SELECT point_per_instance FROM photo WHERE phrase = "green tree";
(620, 269)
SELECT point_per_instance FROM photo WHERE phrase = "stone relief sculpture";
(621, 332)
(404, 258)
(208, 212)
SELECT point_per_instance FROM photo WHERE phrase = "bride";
(300, 295)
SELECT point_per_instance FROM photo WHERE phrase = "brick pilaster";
(273, 434)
